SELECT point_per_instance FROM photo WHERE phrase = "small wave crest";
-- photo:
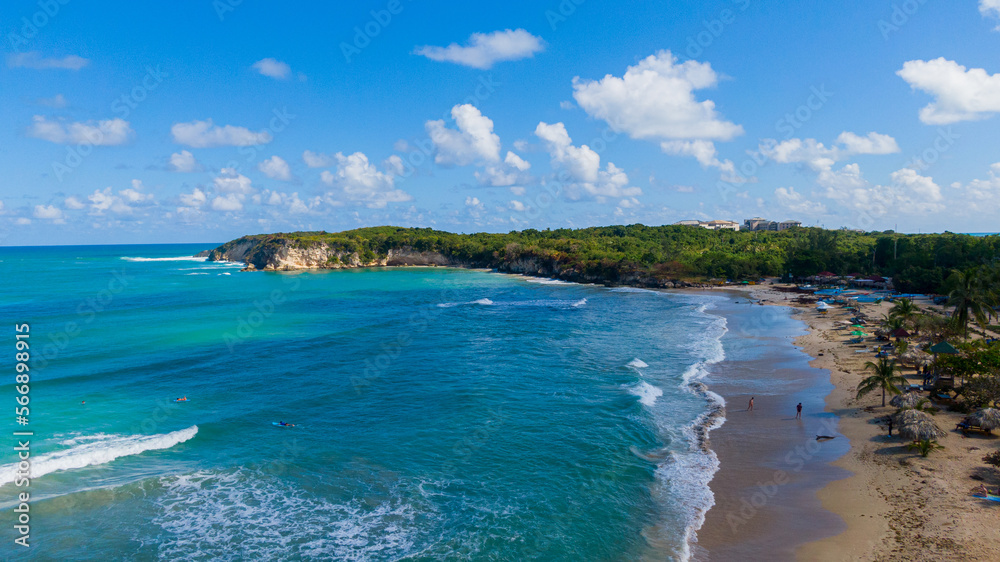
(96, 450)
(637, 364)
(647, 393)
(180, 258)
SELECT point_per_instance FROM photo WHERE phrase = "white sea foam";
(97, 450)
(180, 258)
(637, 363)
(646, 392)
(484, 302)
(688, 475)
(579, 303)
(246, 515)
(547, 281)
(77, 438)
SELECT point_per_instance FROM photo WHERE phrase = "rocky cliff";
(276, 253)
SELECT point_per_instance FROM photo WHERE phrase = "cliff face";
(285, 256)
(280, 254)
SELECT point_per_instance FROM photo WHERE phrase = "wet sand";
(772, 465)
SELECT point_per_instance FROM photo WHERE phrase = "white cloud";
(184, 161)
(473, 141)
(394, 165)
(195, 199)
(473, 202)
(73, 203)
(702, 150)
(960, 94)
(276, 168)
(362, 182)
(58, 101)
(316, 159)
(273, 68)
(518, 206)
(583, 165)
(122, 203)
(506, 174)
(36, 61)
(232, 182)
(109, 132)
(204, 134)
(22, 221)
(655, 99)
(49, 212)
(795, 202)
(820, 157)
(485, 49)
(990, 8)
(907, 193)
(229, 203)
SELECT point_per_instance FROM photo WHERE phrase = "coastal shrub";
(924, 446)
(993, 459)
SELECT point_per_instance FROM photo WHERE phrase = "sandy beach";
(894, 504)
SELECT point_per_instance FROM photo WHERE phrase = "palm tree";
(972, 296)
(891, 323)
(883, 377)
(904, 309)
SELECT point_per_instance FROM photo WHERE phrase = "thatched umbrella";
(987, 418)
(908, 400)
(917, 425)
(907, 417)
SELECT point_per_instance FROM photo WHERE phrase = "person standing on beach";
(890, 426)
(750, 407)
(798, 411)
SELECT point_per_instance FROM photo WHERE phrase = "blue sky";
(130, 123)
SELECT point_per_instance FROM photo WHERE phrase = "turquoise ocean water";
(440, 413)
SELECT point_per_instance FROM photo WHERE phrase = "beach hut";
(942, 347)
(986, 418)
(917, 425)
(900, 333)
(907, 400)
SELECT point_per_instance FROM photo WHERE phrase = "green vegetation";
(918, 263)
(884, 377)
(924, 446)
(974, 292)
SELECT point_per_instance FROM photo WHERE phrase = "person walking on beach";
(750, 407)
(798, 411)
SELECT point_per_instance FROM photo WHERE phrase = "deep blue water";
(440, 413)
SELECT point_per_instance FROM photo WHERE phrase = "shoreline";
(770, 462)
(895, 504)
